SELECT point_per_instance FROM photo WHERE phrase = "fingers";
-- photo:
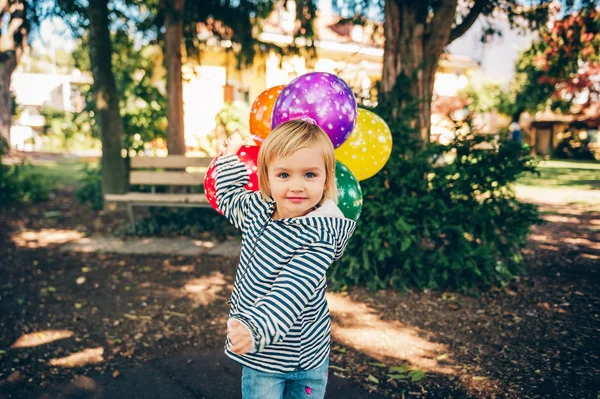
(239, 337)
(235, 142)
(240, 345)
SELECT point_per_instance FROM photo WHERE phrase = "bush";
(577, 143)
(184, 222)
(90, 190)
(19, 183)
(455, 226)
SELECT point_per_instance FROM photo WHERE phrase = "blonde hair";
(288, 138)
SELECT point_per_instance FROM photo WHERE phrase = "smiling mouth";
(296, 199)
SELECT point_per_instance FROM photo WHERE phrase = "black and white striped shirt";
(279, 288)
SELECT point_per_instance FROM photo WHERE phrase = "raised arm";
(230, 178)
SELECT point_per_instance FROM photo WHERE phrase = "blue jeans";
(305, 384)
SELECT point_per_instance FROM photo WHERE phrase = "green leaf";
(416, 375)
(405, 244)
(398, 369)
(52, 214)
(373, 379)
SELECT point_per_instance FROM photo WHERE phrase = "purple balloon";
(321, 98)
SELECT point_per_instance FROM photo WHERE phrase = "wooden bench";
(167, 171)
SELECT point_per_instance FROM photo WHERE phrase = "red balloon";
(249, 156)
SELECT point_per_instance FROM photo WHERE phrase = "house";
(34, 91)
(546, 128)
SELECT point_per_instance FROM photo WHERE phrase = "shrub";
(90, 190)
(456, 226)
(184, 222)
(577, 143)
(19, 183)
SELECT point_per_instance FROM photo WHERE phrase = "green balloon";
(349, 193)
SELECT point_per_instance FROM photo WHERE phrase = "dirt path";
(68, 314)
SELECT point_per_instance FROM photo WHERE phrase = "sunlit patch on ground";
(83, 358)
(549, 247)
(177, 269)
(41, 338)
(582, 242)
(45, 237)
(538, 237)
(205, 289)
(560, 219)
(358, 326)
(204, 244)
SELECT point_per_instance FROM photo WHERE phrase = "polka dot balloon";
(249, 156)
(321, 98)
(350, 198)
(369, 146)
(262, 111)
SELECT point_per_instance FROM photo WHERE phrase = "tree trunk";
(108, 117)
(7, 67)
(173, 43)
(413, 46)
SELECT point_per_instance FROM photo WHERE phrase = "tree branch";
(468, 21)
(438, 28)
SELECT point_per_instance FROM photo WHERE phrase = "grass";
(583, 175)
(62, 172)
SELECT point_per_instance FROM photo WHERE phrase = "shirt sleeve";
(274, 314)
(232, 198)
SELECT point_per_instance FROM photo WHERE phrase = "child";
(292, 230)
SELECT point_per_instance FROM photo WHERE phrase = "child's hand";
(241, 340)
(233, 144)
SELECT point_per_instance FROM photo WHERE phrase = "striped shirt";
(279, 288)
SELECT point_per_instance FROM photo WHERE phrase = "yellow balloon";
(369, 146)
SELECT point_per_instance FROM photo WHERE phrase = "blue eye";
(283, 175)
(310, 175)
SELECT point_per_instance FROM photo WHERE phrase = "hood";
(329, 217)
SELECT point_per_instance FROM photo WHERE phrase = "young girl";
(278, 327)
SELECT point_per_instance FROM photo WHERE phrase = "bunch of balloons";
(363, 141)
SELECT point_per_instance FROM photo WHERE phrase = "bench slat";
(150, 198)
(170, 162)
(166, 178)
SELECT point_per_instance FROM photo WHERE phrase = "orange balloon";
(262, 111)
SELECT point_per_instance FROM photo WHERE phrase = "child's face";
(297, 182)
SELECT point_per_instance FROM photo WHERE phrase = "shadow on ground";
(99, 324)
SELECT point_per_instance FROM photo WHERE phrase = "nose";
(297, 186)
